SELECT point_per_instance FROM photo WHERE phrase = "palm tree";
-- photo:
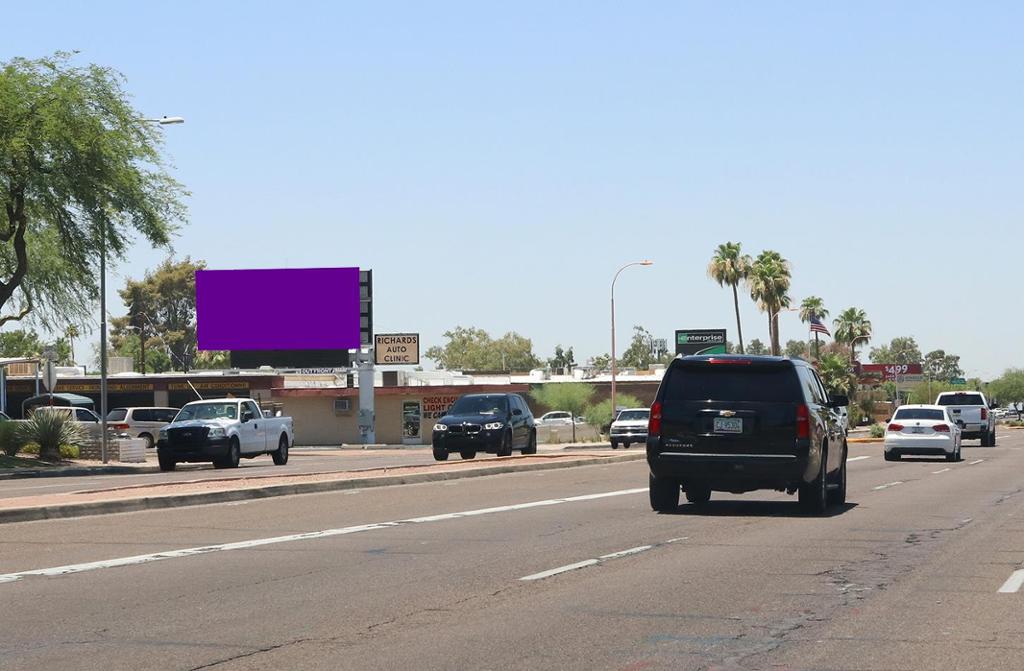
(769, 280)
(71, 332)
(811, 307)
(852, 325)
(729, 267)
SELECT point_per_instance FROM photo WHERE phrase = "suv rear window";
(960, 399)
(733, 382)
(117, 415)
(919, 413)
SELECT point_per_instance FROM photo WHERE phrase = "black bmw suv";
(496, 423)
(739, 423)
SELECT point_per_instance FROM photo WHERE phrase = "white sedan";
(922, 429)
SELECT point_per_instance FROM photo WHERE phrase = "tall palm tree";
(769, 281)
(71, 332)
(811, 307)
(852, 325)
(729, 267)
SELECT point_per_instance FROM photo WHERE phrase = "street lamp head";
(165, 120)
(646, 262)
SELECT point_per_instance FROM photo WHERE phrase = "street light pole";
(163, 121)
(614, 366)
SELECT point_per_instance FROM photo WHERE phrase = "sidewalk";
(245, 487)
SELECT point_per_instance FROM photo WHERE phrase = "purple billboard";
(280, 309)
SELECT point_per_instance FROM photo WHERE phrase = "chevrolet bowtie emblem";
(727, 413)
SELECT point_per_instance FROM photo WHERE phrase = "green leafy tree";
(757, 347)
(942, 367)
(162, 313)
(638, 354)
(899, 351)
(729, 267)
(1008, 390)
(599, 415)
(796, 349)
(71, 332)
(571, 397)
(80, 172)
(852, 326)
(470, 348)
(27, 343)
(214, 359)
(769, 281)
(601, 361)
(562, 360)
(156, 357)
(810, 308)
(836, 374)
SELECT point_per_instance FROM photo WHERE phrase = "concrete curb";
(226, 496)
(865, 440)
(75, 471)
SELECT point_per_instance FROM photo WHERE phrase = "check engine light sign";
(280, 309)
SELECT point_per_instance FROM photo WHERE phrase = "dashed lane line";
(976, 461)
(1013, 583)
(325, 533)
(941, 471)
(558, 570)
(888, 485)
(863, 456)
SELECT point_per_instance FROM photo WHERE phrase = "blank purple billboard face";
(301, 308)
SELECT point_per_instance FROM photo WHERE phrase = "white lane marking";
(244, 545)
(592, 562)
(976, 461)
(864, 456)
(888, 484)
(561, 569)
(1013, 583)
(940, 471)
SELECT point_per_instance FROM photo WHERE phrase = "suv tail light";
(984, 413)
(654, 422)
(944, 428)
(120, 427)
(895, 427)
(803, 421)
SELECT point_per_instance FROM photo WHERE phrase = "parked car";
(222, 431)
(555, 418)
(144, 423)
(973, 409)
(84, 415)
(496, 423)
(740, 423)
(923, 429)
(630, 426)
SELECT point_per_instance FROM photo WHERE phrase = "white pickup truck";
(222, 431)
(973, 410)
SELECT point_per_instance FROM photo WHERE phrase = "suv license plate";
(728, 425)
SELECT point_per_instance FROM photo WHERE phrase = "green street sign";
(958, 380)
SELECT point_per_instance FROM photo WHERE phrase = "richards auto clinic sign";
(396, 349)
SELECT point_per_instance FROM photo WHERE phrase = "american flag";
(818, 327)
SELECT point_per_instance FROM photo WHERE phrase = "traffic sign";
(958, 380)
(49, 376)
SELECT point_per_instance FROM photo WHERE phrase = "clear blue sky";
(495, 164)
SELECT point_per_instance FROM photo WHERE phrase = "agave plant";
(50, 430)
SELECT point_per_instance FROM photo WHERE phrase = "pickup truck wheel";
(167, 462)
(837, 496)
(440, 454)
(230, 460)
(615, 444)
(813, 495)
(468, 454)
(531, 444)
(664, 494)
(992, 438)
(280, 456)
(699, 496)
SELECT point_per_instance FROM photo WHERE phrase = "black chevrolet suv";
(739, 423)
(497, 423)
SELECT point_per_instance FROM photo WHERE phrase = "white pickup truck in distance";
(222, 431)
(972, 410)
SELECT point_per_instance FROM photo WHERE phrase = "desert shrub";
(51, 432)
(599, 415)
(877, 430)
(10, 443)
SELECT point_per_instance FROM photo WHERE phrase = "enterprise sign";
(700, 341)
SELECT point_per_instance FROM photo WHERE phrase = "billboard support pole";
(366, 397)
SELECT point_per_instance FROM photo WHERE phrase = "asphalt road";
(301, 460)
(565, 569)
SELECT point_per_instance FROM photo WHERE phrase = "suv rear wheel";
(837, 495)
(664, 494)
(814, 495)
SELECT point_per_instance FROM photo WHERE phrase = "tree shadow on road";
(733, 508)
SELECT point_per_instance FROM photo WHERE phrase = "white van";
(142, 423)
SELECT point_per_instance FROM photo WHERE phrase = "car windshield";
(920, 413)
(208, 411)
(738, 382)
(117, 414)
(634, 416)
(960, 399)
(480, 405)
